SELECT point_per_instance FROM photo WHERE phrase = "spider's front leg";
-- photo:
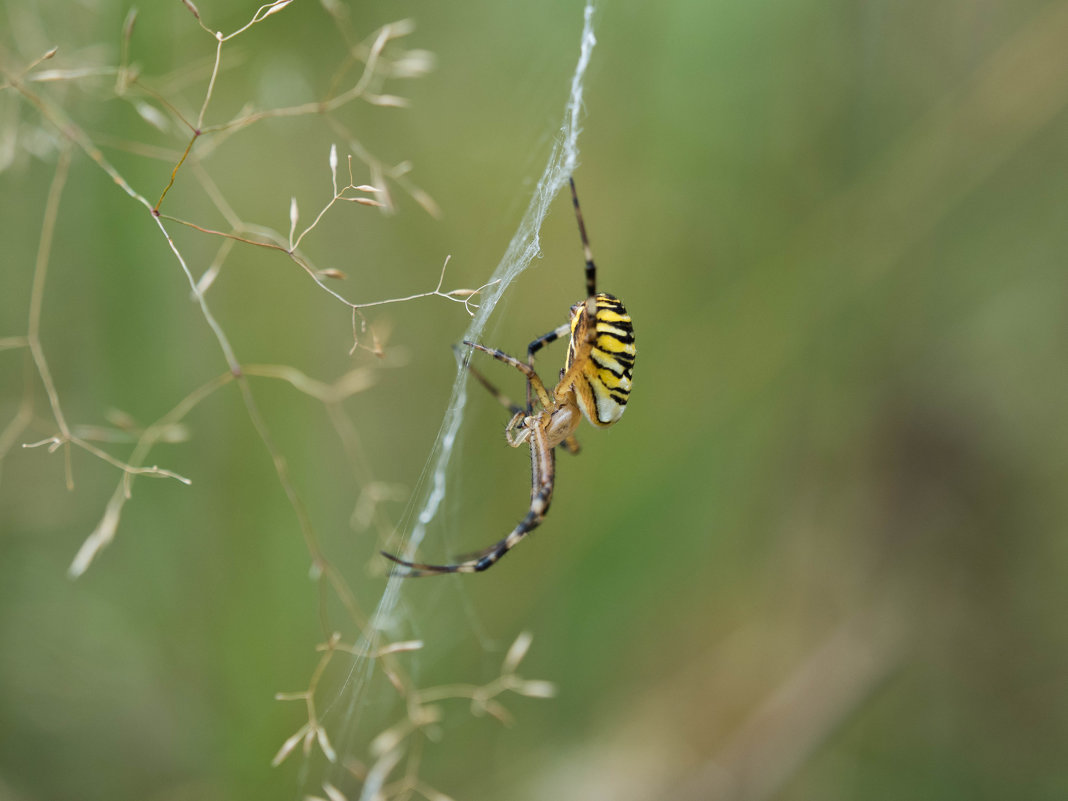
(543, 475)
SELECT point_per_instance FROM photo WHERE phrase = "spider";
(595, 383)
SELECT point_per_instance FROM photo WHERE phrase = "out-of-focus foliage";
(822, 555)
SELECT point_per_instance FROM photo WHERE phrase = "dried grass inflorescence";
(367, 69)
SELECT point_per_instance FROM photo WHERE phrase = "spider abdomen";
(605, 346)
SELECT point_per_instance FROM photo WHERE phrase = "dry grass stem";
(192, 132)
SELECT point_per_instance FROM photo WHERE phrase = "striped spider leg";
(557, 419)
(591, 291)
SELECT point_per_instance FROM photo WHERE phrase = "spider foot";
(419, 569)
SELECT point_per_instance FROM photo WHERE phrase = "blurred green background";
(823, 554)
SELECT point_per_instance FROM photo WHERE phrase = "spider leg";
(503, 399)
(525, 369)
(518, 412)
(543, 473)
(540, 343)
(591, 269)
(544, 340)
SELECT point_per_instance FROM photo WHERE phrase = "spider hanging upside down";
(595, 382)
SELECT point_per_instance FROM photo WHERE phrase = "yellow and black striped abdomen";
(609, 366)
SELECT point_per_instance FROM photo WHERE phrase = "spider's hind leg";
(591, 268)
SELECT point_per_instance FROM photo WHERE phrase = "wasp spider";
(595, 382)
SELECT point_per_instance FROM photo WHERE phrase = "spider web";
(390, 615)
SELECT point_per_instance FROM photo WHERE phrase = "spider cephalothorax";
(595, 384)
